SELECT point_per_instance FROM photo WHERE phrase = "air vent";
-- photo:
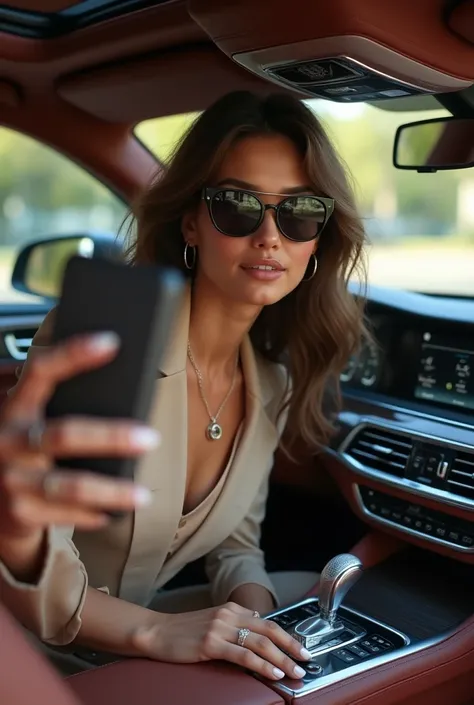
(381, 450)
(461, 477)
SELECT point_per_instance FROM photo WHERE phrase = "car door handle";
(17, 347)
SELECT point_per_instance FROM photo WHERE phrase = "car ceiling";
(125, 60)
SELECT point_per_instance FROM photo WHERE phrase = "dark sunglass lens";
(235, 213)
(302, 217)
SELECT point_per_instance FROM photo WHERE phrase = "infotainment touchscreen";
(445, 373)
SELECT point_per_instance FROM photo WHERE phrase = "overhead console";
(342, 51)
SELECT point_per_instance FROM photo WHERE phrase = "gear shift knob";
(337, 578)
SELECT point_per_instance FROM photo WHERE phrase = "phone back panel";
(139, 304)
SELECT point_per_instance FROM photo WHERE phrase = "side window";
(45, 194)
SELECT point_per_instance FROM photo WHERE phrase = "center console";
(379, 627)
(339, 638)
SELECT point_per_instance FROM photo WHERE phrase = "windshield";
(420, 226)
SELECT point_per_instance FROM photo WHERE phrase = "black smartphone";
(139, 303)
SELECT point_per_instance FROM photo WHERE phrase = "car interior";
(385, 512)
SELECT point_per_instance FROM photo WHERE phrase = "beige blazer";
(128, 558)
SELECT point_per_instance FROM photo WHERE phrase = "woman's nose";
(268, 234)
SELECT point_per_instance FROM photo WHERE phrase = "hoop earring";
(188, 247)
(315, 269)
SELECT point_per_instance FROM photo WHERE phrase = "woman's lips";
(267, 272)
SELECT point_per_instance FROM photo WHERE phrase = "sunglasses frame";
(209, 192)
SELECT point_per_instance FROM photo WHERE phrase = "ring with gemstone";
(242, 635)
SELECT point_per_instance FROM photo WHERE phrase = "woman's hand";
(32, 493)
(214, 634)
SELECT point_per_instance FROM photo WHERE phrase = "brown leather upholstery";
(413, 29)
(461, 20)
(25, 676)
(27, 679)
(146, 683)
(374, 548)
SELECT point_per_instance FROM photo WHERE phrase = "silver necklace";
(214, 429)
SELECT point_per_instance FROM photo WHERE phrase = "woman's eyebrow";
(252, 187)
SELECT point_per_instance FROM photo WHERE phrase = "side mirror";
(435, 145)
(40, 265)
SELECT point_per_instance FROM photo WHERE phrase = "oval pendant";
(214, 431)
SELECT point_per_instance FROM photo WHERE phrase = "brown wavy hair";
(316, 327)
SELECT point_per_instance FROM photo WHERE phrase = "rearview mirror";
(39, 267)
(435, 145)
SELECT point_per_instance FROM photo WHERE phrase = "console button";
(418, 462)
(358, 651)
(346, 656)
(372, 647)
(454, 536)
(441, 531)
(431, 466)
(284, 620)
(312, 668)
(467, 540)
(380, 641)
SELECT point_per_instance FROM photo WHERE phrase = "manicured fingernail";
(299, 672)
(143, 496)
(104, 342)
(305, 654)
(277, 673)
(145, 437)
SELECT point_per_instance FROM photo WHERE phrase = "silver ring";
(34, 436)
(256, 614)
(243, 634)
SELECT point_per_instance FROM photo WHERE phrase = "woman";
(255, 208)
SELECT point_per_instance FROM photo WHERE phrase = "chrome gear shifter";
(337, 578)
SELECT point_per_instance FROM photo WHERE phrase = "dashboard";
(416, 359)
(406, 431)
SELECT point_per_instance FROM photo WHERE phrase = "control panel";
(438, 470)
(416, 519)
(362, 639)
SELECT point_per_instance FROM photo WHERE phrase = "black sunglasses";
(238, 213)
